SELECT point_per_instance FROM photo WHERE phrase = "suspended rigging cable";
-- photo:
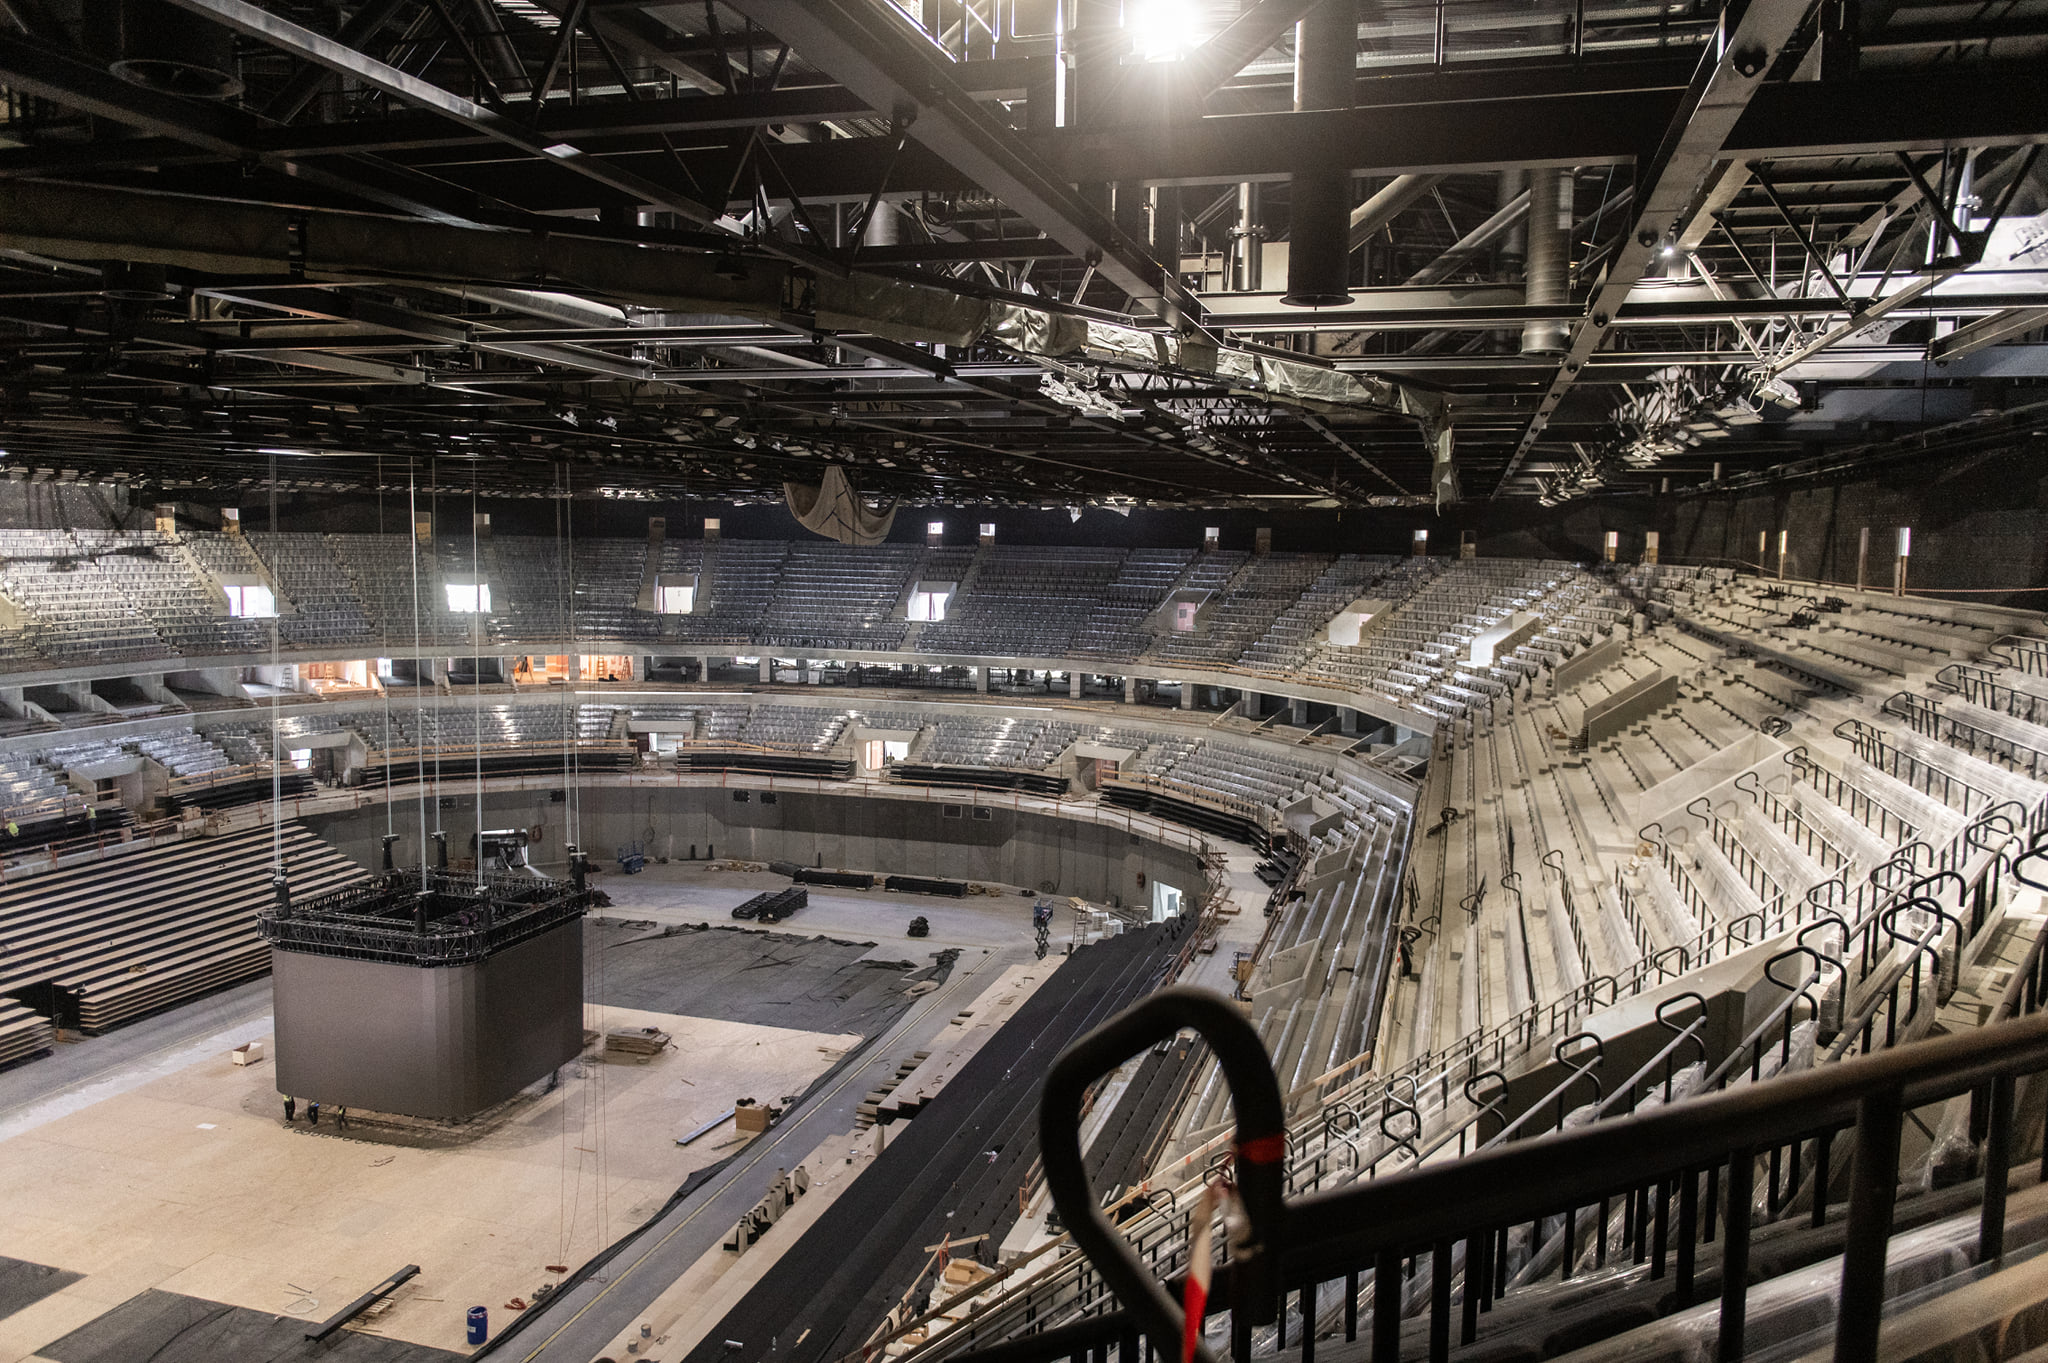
(575, 743)
(419, 716)
(276, 677)
(439, 579)
(384, 623)
(476, 706)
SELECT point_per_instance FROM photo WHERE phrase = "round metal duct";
(1319, 241)
(160, 47)
(128, 282)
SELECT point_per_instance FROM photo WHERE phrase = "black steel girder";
(882, 63)
(1952, 106)
(33, 68)
(1730, 75)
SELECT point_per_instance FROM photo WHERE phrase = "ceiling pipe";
(1508, 217)
(1512, 187)
(498, 49)
(1248, 241)
(1550, 233)
(554, 307)
(1208, 67)
(1319, 209)
(1382, 208)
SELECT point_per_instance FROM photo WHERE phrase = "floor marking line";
(930, 1005)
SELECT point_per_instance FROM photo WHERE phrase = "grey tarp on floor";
(25, 1284)
(811, 984)
(165, 1327)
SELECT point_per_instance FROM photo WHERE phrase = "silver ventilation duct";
(1550, 233)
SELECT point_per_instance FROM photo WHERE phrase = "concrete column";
(1248, 704)
(1347, 720)
(981, 680)
(1297, 711)
(767, 669)
(1074, 685)
(1187, 695)
(1130, 690)
(704, 668)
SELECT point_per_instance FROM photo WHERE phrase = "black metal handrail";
(1261, 1148)
(1388, 1224)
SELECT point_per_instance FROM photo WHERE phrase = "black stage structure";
(427, 994)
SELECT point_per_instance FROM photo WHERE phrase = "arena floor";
(140, 1170)
(689, 892)
(176, 1186)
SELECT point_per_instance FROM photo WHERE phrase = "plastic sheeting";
(902, 311)
(899, 311)
(1034, 331)
(1793, 1305)
(834, 509)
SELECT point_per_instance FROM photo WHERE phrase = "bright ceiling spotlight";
(1162, 30)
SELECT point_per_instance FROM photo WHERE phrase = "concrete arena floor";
(164, 1082)
(688, 892)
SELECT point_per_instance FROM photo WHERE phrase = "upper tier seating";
(1113, 628)
(839, 596)
(320, 609)
(81, 613)
(1244, 609)
(736, 583)
(1023, 602)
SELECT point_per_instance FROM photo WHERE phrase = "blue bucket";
(479, 1324)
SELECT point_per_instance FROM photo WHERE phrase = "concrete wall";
(858, 833)
(1639, 699)
(444, 1043)
(1978, 523)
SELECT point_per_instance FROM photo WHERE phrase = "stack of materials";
(774, 905)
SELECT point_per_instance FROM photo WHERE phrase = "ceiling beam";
(304, 43)
(32, 68)
(1731, 73)
(1986, 331)
(878, 59)
(1951, 106)
(406, 133)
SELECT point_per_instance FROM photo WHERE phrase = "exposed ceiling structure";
(1044, 252)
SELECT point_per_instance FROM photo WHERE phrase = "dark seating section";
(237, 789)
(765, 763)
(1126, 1148)
(976, 778)
(102, 944)
(1208, 818)
(952, 1171)
(106, 820)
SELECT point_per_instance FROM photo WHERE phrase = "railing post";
(1997, 1161)
(1873, 1187)
(1735, 1254)
(1386, 1307)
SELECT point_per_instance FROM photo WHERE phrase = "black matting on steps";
(24, 1284)
(953, 1170)
(164, 1327)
